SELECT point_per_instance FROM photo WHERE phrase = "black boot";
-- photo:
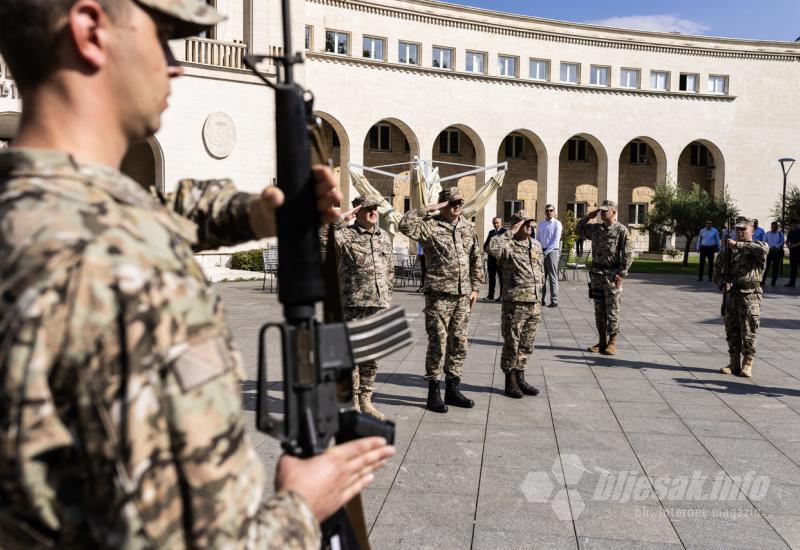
(453, 396)
(526, 388)
(512, 389)
(435, 402)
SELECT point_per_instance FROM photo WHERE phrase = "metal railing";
(215, 53)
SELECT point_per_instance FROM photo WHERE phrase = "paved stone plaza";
(652, 448)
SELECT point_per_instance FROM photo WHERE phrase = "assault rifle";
(728, 279)
(318, 358)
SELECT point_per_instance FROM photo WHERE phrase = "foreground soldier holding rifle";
(120, 414)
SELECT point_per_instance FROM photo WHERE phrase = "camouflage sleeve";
(476, 263)
(389, 247)
(625, 252)
(413, 225)
(499, 244)
(585, 229)
(758, 249)
(719, 269)
(216, 207)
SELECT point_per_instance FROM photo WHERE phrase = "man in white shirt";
(775, 240)
(548, 233)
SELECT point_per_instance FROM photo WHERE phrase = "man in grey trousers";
(548, 233)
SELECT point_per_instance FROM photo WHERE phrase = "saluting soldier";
(452, 282)
(611, 259)
(366, 271)
(742, 285)
(521, 258)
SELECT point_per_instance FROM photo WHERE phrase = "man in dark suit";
(494, 270)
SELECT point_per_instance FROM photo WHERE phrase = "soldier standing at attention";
(611, 259)
(453, 279)
(121, 422)
(365, 277)
(522, 260)
(742, 285)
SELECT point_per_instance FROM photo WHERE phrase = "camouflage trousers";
(741, 323)
(520, 322)
(607, 302)
(446, 322)
(364, 373)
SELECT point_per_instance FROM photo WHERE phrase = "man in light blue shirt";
(708, 243)
(548, 233)
(775, 240)
(758, 232)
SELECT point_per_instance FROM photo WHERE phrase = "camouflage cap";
(743, 223)
(190, 16)
(608, 205)
(366, 202)
(521, 216)
(450, 195)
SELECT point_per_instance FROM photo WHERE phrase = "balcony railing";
(215, 53)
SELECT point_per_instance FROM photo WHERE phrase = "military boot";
(526, 388)
(435, 402)
(747, 366)
(367, 407)
(512, 388)
(453, 396)
(733, 367)
(600, 345)
(611, 347)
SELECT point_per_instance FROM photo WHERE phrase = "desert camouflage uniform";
(611, 256)
(522, 262)
(743, 307)
(454, 269)
(366, 271)
(121, 421)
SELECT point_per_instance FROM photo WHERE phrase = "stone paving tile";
(658, 413)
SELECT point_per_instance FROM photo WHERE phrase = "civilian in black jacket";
(494, 270)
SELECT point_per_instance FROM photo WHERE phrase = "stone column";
(612, 180)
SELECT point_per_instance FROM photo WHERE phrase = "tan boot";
(368, 408)
(733, 367)
(600, 345)
(611, 348)
(747, 366)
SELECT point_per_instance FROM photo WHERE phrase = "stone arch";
(582, 182)
(144, 162)
(642, 166)
(707, 169)
(333, 130)
(527, 172)
(471, 151)
(403, 146)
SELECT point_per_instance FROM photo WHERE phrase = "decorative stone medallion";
(219, 135)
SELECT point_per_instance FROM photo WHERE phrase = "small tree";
(684, 212)
(569, 231)
(792, 206)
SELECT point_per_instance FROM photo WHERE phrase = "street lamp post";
(786, 165)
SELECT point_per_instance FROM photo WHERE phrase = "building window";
(659, 80)
(569, 73)
(629, 78)
(514, 145)
(639, 152)
(374, 48)
(380, 138)
(688, 83)
(506, 65)
(335, 141)
(598, 76)
(699, 155)
(578, 209)
(510, 208)
(577, 150)
(637, 213)
(540, 69)
(309, 36)
(443, 58)
(448, 142)
(717, 84)
(406, 204)
(337, 42)
(408, 53)
(476, 62)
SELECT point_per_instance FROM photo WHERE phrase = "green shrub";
(248, 260)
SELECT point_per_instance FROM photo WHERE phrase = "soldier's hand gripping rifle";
(318, 358)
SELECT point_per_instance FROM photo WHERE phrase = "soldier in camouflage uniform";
(121, 420)
(452, 281)
(522, 260)
(743, 294)
(611, 258)
(366, 271)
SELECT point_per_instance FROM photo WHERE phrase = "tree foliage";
(792, 206)
(683, 212)
(569, 230)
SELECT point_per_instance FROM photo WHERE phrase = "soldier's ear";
(89, 29)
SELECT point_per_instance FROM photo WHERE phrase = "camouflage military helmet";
(743, 223)
(450, 195)
(521, 216)
(190, 16)
(366, 202)
(608, 205)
